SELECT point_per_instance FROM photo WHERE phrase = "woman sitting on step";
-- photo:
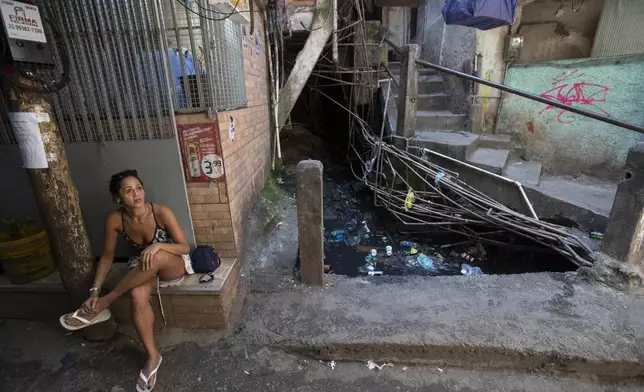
(162, 258)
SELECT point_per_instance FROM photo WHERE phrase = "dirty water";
(354, 227)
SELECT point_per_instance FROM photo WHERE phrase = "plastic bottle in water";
(374, 273)
(425, 261)
(468, 270)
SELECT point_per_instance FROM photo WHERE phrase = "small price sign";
(212, 166)
(201, 152)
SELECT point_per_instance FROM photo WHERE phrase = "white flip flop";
(147, 379)
(100, 318)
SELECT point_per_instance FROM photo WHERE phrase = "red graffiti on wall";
(579, 93)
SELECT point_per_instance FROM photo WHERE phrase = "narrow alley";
(316, 195)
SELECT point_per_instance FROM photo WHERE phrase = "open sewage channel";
(354, 228)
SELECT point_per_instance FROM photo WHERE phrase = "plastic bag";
(481, 14)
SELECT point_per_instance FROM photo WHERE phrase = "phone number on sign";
(25, 28)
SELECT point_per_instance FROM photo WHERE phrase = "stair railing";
(407, 53)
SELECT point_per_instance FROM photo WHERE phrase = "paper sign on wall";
(231, 128)
(22, 21)
(201, 152)
(27, 131)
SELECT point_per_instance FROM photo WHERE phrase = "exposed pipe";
(334, 46)
(391, 75)
(488, 173)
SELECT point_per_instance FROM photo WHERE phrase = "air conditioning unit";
(238, 10)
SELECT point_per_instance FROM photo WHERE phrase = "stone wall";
(567, 143)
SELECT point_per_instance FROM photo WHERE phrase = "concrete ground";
(39, 357)
(530, 332)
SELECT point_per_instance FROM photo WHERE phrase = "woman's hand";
(148, 255)
(89, 306)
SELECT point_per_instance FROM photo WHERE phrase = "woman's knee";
(140, 295)
(161, 259)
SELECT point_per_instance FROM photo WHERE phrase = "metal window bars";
(118, 87)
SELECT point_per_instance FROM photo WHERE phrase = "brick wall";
(247, 158)
(219, 210)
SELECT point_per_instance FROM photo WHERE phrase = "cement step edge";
(485, 357)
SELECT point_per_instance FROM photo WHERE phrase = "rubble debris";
(596, 235)
(330, 364)
(366, 228)
(467, 257)
(372, 365)
(408, 244)
(468, 270)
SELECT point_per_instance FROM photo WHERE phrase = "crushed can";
(596, 235)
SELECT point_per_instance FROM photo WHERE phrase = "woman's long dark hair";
(115, 181)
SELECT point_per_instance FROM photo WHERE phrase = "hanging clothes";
(481, 14)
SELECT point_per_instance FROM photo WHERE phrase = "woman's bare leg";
(143, 317)
(167, 265)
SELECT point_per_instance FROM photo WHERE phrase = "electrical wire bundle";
(422, 194)
(444, 201)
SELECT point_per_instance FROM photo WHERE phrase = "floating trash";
(468, 270)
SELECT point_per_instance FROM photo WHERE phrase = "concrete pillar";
(322, 27)
(624, 237)
(310, 223)
(408, 94)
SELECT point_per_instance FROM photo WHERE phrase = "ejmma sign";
(22, 21)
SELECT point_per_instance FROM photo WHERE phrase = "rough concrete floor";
(31, 355)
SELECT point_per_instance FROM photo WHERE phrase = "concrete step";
(429, 102)
(526, 172)
(494, 141)
(585, 200)
(426, 85)
(439, 120)
(490, 159)
(437, 101)
(457, 145)
(430, 85)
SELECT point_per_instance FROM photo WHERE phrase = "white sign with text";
(27, 131)
(22, 21)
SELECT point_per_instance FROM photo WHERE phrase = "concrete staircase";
(443, 131)
(585, 200)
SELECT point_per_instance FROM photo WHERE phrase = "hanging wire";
(443, 201)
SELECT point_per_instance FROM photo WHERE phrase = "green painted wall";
(568, 143)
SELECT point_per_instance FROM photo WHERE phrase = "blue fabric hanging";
(481, 14)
